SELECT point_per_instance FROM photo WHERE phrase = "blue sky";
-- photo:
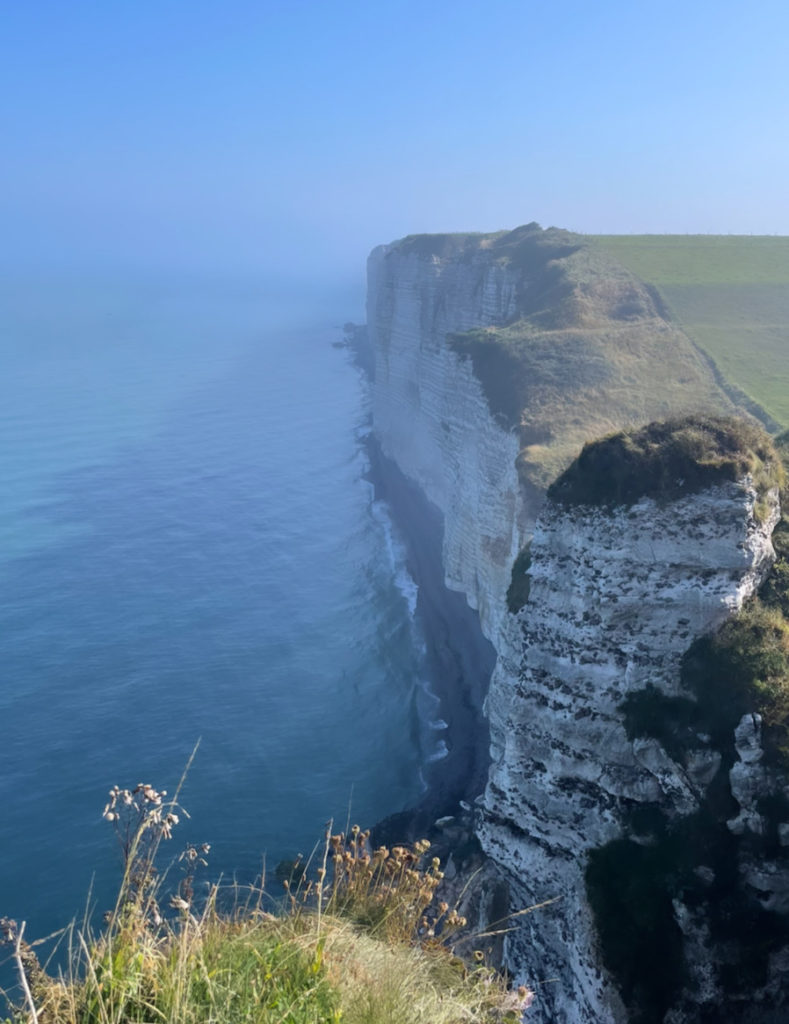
(289, 138)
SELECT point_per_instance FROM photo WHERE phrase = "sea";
(194, 571)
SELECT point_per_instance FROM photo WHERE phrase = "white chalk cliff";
(616, 596)
(431, 416)
(616, 599)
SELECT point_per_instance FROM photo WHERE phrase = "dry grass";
(361, 939)
(587, 354)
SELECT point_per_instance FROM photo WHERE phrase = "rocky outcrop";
(465, 330)
(617, 598)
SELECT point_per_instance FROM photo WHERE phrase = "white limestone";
(431, 416)
(616, 599)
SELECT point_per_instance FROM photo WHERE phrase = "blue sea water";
(189, 550)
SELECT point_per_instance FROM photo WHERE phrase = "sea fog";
(189, 550)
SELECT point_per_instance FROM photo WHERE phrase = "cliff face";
(496, 357)
(617, 597)
(431, 416)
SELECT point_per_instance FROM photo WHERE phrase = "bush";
(671, 720)
(641, 941)
(742, 668)
(667, 460)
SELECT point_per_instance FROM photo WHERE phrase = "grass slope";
(587, 352)
(730, 293)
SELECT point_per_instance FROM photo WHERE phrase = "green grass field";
(730, 293)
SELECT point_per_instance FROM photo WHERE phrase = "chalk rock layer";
(617, 597)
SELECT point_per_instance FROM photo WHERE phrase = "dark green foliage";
(782, 445)
(666, 460)
(645, 820)
(671, 720)
(775, 592)
(774, 809)
(775, 589)
(641, 941)
(781, 533)
(518, 591)
(742, 668)
(631, 886)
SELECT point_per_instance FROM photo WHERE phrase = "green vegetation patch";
(585, 351)
(744, 668)
(775, 589)
(667, 460)
(730, 294)
(631, 885)
(521, 367)
(362, 939)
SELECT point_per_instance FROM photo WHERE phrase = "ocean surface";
(189, 550)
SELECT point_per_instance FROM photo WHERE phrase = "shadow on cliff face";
(460, 660)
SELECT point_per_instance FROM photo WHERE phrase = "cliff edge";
(619, 782)
(497, 357)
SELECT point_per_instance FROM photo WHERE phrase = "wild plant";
(362, 939)
(392, 893)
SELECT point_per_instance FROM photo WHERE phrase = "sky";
(289, 138)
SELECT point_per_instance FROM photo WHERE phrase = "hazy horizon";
(286, 141)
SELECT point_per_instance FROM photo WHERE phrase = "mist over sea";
(189, 549)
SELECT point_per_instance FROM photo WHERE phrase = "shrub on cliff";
(361, 939)
(668, 459)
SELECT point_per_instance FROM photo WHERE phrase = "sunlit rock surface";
(431, 416)
(617, 597)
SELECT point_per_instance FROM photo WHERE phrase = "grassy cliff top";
(366, 938)
(587, 353)
(668, 460)
(611, 332)
(730, 294)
